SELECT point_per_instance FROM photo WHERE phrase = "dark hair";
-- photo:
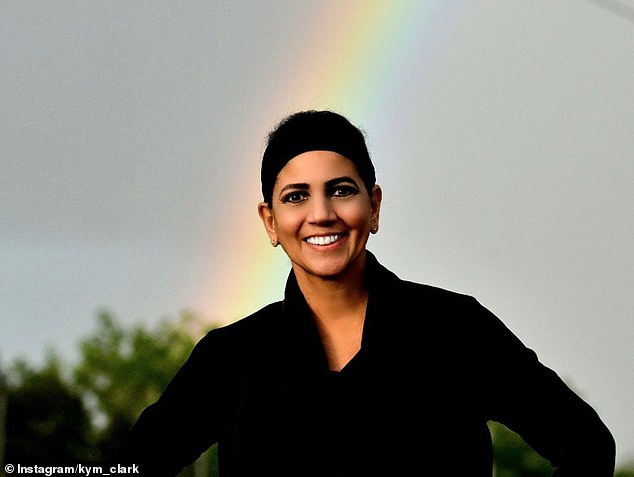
(314, 131)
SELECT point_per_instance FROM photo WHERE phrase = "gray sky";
(502, 134)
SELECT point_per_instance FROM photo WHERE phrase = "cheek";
(287, 222)
(357, 217)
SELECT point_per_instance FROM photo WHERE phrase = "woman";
(356, 372)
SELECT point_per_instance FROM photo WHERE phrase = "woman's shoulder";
(435, 292)
(254, 323)
(244, 332)
(389, 284)
(431, 295)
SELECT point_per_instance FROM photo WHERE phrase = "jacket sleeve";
(171, 433)
(531, 399)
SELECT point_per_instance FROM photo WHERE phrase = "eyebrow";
(329, 183)
(296, 185)
(338, 180)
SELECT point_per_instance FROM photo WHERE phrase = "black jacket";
(434, 367)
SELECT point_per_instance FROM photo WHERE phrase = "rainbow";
(364, 49)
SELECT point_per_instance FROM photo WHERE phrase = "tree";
(512, 457)
(46, 420)
(123, 371)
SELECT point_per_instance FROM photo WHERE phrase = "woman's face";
(321, 214)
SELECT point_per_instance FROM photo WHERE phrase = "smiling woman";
(321, 215)
(356, 372)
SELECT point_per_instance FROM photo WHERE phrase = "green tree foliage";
(46, 420)
(124, 370)
(512, 457)
(626, 471)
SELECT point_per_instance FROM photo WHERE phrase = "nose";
(321, 210)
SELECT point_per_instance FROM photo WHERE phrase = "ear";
(266, 215)
(376, 197)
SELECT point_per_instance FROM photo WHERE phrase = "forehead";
(316, 166)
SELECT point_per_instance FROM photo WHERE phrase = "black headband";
(314, 131)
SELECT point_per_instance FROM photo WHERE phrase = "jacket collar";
(376, 278)
(298, 320)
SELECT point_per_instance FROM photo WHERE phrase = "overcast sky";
(502, 133)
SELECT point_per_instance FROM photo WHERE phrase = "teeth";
(323, 239)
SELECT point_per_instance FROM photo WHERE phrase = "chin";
(331, 274)
(332, 269)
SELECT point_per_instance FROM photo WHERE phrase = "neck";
(335, 301)
(337, 297)
(338, 305)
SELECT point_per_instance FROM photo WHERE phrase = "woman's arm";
(532, 400)
(171, 433)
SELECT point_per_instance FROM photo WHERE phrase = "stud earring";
(274, 242)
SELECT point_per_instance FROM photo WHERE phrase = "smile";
(324, 239)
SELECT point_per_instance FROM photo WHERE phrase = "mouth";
(322, 240)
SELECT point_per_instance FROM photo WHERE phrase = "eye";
(295, 197)
(343, 191)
